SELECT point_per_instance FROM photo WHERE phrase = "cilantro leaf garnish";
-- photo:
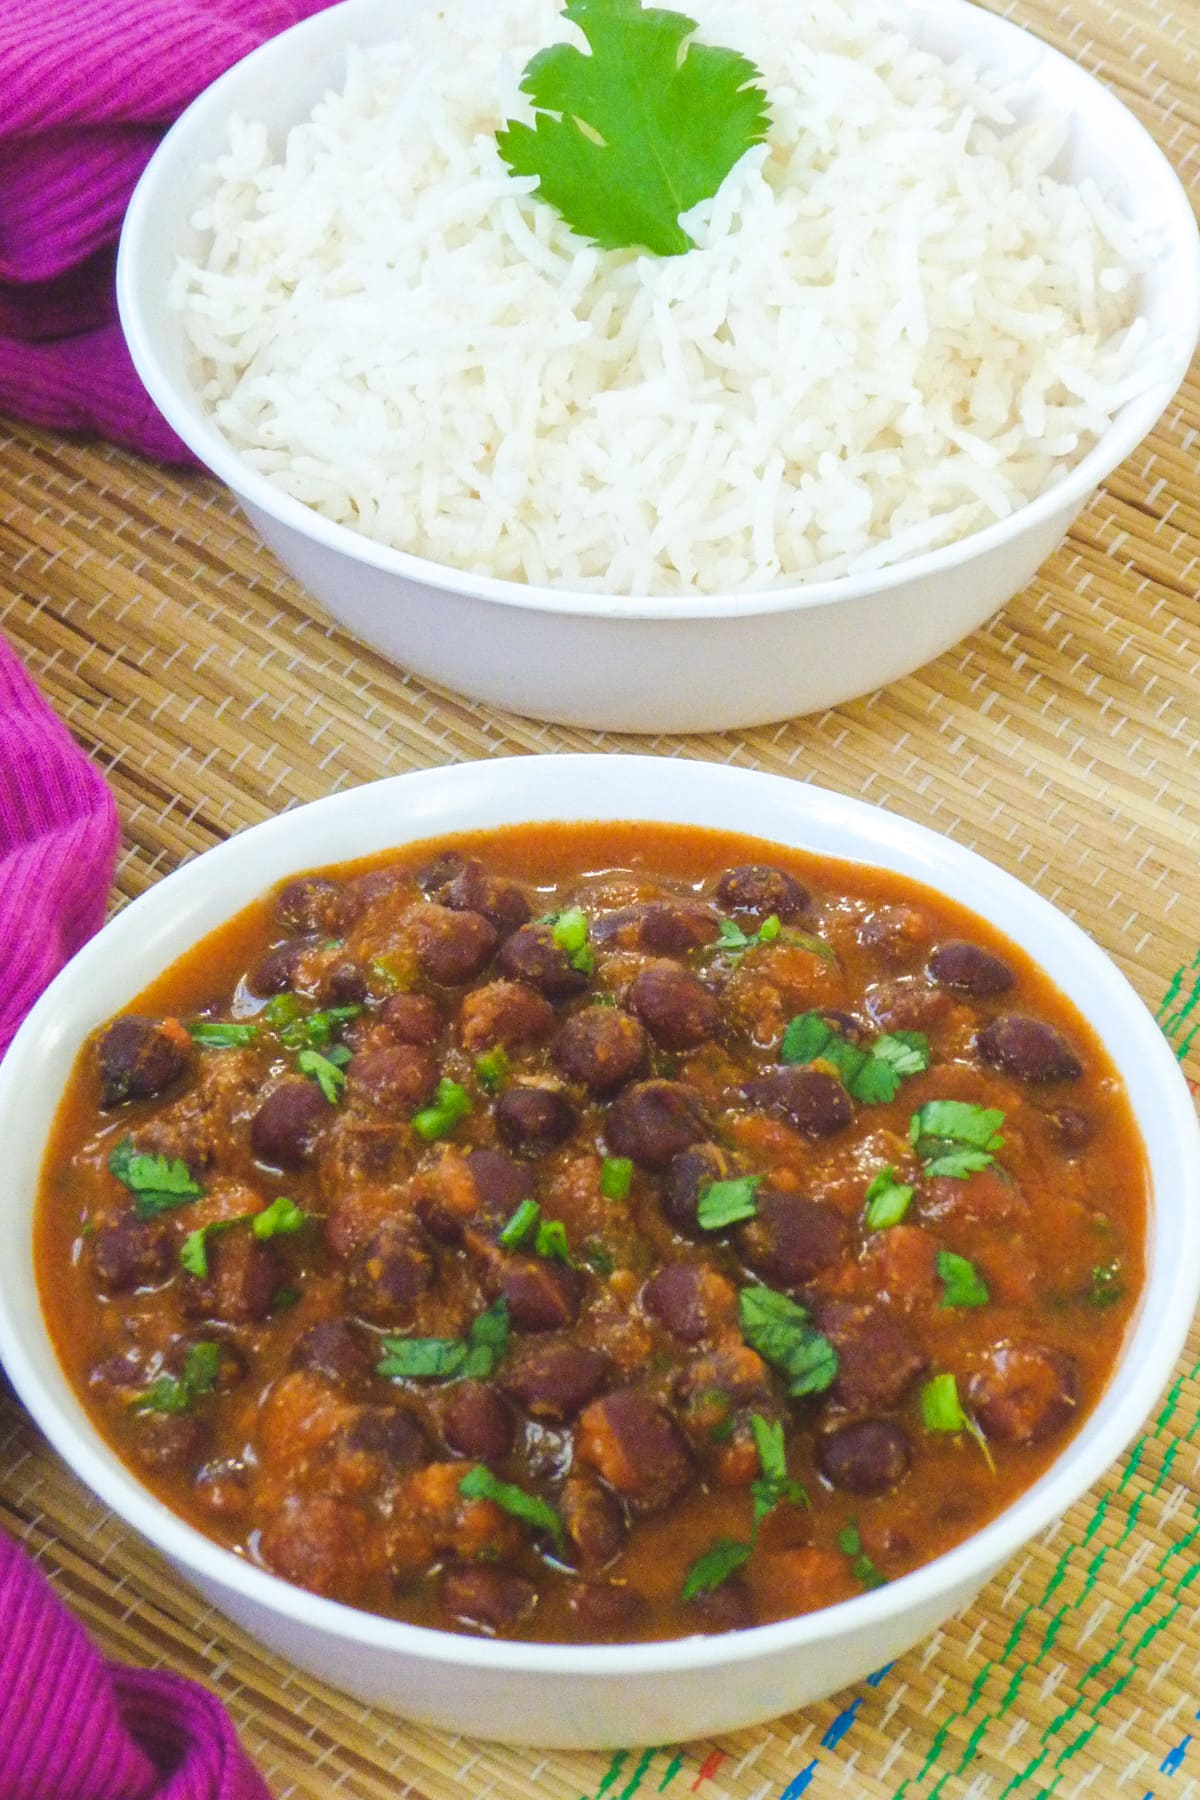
(422, 1359)
(864, 1571)
(158, 1183)
(221, 1034)
(487, 1340)
(774, 1485)
(1106, 1286)
(963, 1283)
(176, 1393)
(953, 1137)
(325, 1070)
(646, 126)
(715, 1566)
(780, 1329)
(549, 1235)
(942, 1410)
(480, 1484)
(870, 1074)
(193, 1252)
(491, 1068)
(887, 1200)
(282, 1010)
(523, 1221)
(597, 1257)
(570, 932)
(450, 1104)
(299, 1030)
(770, 1489)
(721, 1203)
(438, 1359)
(616, 1177)
(551, 1241)
(280, 1219)
(730, 936)
(733, 943)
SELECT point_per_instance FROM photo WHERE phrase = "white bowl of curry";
(588, 1282)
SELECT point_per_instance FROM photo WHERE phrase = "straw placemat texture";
(1060, 741)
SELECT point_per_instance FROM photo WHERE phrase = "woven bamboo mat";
(1060, 741)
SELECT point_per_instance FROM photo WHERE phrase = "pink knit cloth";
(58, 842)
(86, 90)
(72, 1728)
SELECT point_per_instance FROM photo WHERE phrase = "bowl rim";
(542, 783)
(1132, 423)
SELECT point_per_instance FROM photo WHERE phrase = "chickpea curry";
(591, 1233)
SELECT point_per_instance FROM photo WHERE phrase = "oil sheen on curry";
(593, 1232)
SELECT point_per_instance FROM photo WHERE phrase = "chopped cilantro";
(281, 1010)
(774, 1485)
(437, 1359)
(779, 1328)
(594, 1254)
(422, 1359)
(300, 1029)
(942, 1410)
(177, 1393)
(963, 1282)
(722, 1203)
(487, 1340)
(907, 1052)
(616, 1177)
(645, 126)
(158, 1183)
(870, 1074)
(864, 1571)
(480, 1484)
(1106, 1286)
(193, 1252)
(450, 1104)
(221, 1034)
(730, 936)
(887, 1200)
(715, 1566)
(325, 1071)
(280, 1219)
(551, 1241)
(770, 1489)
(953, 1137)
(733, 943)
(570, 932)
(520, 1225)
(491, 1069)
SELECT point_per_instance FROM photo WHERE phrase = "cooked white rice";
(895, 328)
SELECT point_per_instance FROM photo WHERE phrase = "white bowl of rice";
(920, 324)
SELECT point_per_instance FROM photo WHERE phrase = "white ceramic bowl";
(598, 1694)
(652, 664)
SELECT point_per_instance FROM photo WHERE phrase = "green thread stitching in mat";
(621, 1757)
(1172, 1018)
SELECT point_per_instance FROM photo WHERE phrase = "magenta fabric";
(86, 90)
(74, 1728)
(58, 843)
